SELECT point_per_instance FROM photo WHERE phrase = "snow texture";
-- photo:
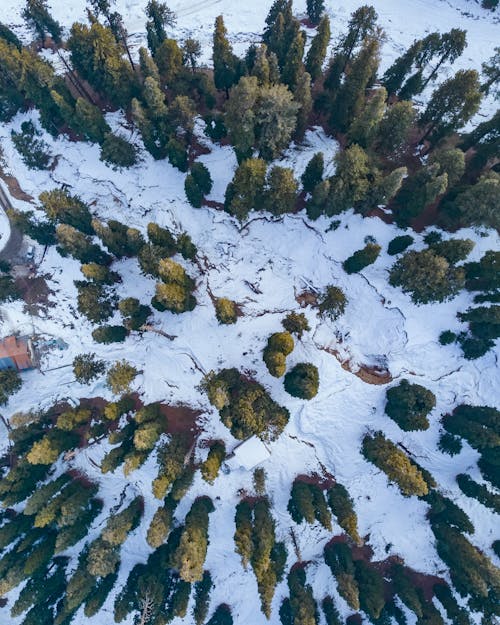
(263, 266)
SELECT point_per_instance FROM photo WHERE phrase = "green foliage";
(371, 588)
(226, 64)
(296, 323)
(161, 523)
(479, 425)
(319, 45)
(279, 346)
(193, 192)
(405, 589)
(451, 162)
(280, 192)
(447, 337)
(343, 508)
(10, 383)
(202, 590)
(134, 313)
(307, 501)
(394, 129)
(303, 609)
(362, 258)
(34, 151)
(118, 238)
(120, 376)
(191, 552)
(221, 616)
(245, 192)
(427, 277)
(225, 310)
(210, 468)
(171, 457)
(455, 613)
(259, 481)
(175, 292)
(449, 444)
(418, 191)
(94, 301)
(313, 173)
(109, 334)
(478, 491)
(338, 557)
(243, 534)
(452, 104)
(302, 381)
(330, 611)
(454, 250)
(49, 448)
(409, 404)
(395, 464)
(100, 274)
(119, 526)
(244, 405)
(118, 152)
(62, 207)
(399, 244)
(76, 244)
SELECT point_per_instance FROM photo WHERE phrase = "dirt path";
(13, 245)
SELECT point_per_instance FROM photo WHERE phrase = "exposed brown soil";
(182, 420)
(15, 188)
(323, 481)
(213, 204)
(307, 298)
(35, 293)
(371, 374)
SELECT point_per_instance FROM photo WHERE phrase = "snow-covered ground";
(263, 267)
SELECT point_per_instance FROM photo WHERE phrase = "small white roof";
(249, 454)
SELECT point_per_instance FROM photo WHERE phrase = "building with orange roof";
(16, 353)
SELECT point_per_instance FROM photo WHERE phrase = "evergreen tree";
(226, 64)
(39, 20)
(243, 534)
(313, 173)
(293, 65)
(280, 192)
(333, 302)
(426, 276)
(210, 468)
(371, 589)
(343, 508)
(120, 376)
(492, 72)
(387, 457)
(303, 96)
(135, 314)
(351, 94)
(317, 52)
(479, 204)
(451, 46)
(62, 207)
(452, 104)
(190, 555)
(159, 17)
(245, 191)
(418, 191)
(118, 152)
(240, 116)
(276, 119)
(202, 598)
(395, 75)
(225, 310)
(409, 404)
(351, 183)
(364, 127)
(10, 383)
(302, 381)
(315, 9)
(109, 334)
(168, 58)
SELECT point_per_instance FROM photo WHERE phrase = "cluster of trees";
(480, 426)
(307, 502)
(252, 188)
(481, 277)
(244, 405)
(409, 404)
(255, 541)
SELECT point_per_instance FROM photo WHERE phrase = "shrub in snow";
(225, 310)
(333, 302)
(109, 334)
(118, 152)
(302, 381)
(362, 258)
(296, 323)
(10, 383)
(279, 346)
(409, 404)
(399, 244)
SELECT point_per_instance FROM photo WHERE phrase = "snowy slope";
(279, 258)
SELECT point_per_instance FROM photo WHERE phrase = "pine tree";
(492, 72)
(395, 75)
(418, 191)
(362, 24)
(409, 404)
(351, 183)
(293, 65)
(243, 534)
(394, 129)
(38, 19)
(280, 193)
(202, 598)
(62, 207)
(10, 383)
(317, 52)
(120, 376)
(452, 104)
(315, 9)
(276, 119)
(168, 58)
(118, 152)
(191, 52)
(159, 17)
(240, 115)
(245, 191)
(343, 508)
(303, 96)
(225, 62)
(191, 552)
(365, 126)
(451, 46)
(210, 468)
(351, 95)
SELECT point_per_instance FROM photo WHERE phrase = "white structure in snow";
(248, 454)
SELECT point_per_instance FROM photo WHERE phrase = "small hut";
(248, 454)
(16, 353)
